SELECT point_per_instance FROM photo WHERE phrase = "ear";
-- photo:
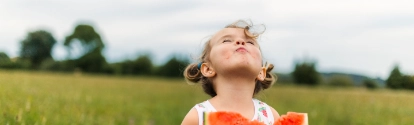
(207, 70)
(262, 74)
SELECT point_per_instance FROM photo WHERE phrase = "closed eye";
(226, 40)
(250, 42)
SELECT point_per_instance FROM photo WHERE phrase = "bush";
(141, 66)
(8, 65)
(23, 64)
(284, 78)
(340, 80)
(408, 82)
(49, 65)
(5, 61)
(370, 84)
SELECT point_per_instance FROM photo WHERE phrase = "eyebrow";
(228, 35)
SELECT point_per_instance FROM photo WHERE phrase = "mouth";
(241, 49)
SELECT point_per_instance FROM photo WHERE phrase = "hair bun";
(192, 73)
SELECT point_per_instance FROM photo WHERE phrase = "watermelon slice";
(292, 118)
(232, 118)
(227, 118)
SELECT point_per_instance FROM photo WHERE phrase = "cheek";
(257, 55)
(220, 54)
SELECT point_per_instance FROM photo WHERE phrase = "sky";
(367, 37)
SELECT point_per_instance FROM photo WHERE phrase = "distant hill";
(357, 79)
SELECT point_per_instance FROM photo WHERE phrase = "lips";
(241, 49)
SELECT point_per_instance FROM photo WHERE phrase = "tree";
(4, 58)
(5, 61)
(89, 45)
(36, 47)
(173, 68)
(394, 81)
(140, 66)
(143, 65)
(305, 73)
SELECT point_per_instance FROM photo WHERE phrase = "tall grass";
(56, 98)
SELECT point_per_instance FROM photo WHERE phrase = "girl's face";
(232, 50)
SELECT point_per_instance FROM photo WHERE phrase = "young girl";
(231, 72)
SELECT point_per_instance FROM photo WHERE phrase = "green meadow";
(44, 98)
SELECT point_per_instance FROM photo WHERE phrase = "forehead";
(228, 32)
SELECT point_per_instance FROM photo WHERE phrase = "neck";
(234, 91)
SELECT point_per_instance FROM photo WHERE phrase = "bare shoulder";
(191, 118)
(275, 113)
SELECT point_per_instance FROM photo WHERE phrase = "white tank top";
(262, 111)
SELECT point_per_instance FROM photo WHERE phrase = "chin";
(243, 68)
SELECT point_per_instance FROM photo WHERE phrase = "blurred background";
(100, 59)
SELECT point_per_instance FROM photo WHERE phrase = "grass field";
(66, 99)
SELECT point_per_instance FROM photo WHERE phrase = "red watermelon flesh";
(232, 118)
(292, 118)
(227, 118)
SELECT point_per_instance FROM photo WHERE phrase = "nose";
(240, 42)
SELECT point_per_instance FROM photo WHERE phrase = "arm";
(275, 113)
(191, 118)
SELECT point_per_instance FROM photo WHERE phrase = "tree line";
(84, 47)
(305, 73)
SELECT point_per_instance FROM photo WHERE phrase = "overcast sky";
(365, 37)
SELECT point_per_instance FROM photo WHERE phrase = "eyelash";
(230, 41)
(250, 42)
(226, 40)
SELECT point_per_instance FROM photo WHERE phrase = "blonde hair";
(193, 74)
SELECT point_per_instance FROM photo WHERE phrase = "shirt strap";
(265, 110)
